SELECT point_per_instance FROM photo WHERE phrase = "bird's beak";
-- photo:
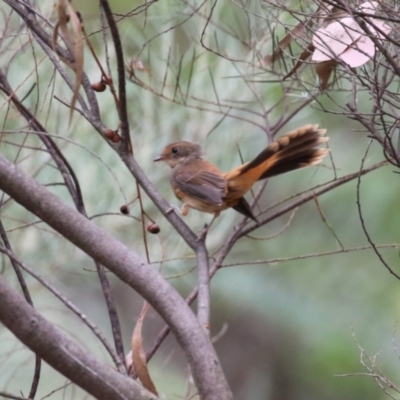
(159, 158)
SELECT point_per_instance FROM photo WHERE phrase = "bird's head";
(178, 152)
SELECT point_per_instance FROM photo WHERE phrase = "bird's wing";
(206, 186)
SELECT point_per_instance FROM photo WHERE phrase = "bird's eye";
(174, 150)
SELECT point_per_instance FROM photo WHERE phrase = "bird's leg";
(182, 211)
(203, 232)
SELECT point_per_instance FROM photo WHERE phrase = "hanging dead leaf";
(74, 40)
(324, 71)
(300, 32)
(283, 44)
(303, 56)
(77, 50)
(61, 24)
(139, 355)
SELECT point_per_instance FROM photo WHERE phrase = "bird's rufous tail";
(297, 149)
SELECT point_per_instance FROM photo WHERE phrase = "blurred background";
(284, 329)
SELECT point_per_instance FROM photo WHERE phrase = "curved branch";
(130, 268)
(72, 183)
(364, 228)
(28, 298)
(122, 109)
(62, 353)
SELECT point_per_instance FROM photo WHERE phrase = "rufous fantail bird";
(202, 186)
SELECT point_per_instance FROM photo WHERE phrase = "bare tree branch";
(128, 267)
(62, 353)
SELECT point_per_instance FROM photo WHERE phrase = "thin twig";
(364, 228)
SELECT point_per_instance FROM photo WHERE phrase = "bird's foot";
(173, 208)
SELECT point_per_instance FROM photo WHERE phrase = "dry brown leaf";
(74, 41)
(77, 50)
(324, 71)
(299, 31)
(139, 355)
(282, 45)
(303, 56)
(61, 24)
